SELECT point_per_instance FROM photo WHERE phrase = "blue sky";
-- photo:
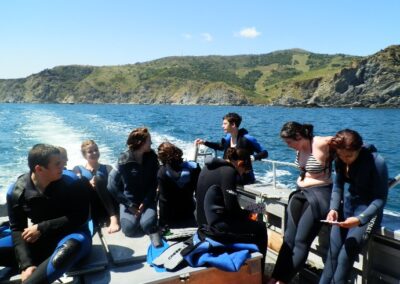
(40, 34)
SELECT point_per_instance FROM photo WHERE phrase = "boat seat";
(125, 250)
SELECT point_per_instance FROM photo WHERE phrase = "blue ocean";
(23, 125)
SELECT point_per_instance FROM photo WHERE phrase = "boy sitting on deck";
(58, 208)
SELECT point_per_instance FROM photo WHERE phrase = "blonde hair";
(86, 144)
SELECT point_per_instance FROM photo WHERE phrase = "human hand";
(141, 209)
(133, 209)
(31, 234)
(93, 182)
(199, 141)
(332, 216)
(26, 273)
(350, 222)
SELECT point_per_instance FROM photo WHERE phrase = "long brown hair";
(170, 154)
(293, 129)
(137, 138)
(235, 154)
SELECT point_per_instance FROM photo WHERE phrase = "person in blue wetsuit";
(177, 182)
(219, 215)
(7, 257)
(240, 139)
(104, 207)
(358, 212)
(309, 203)
(58, 208)
(133, 183)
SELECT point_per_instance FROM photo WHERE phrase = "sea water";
(23, 125)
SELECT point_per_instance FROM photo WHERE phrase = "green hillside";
(243, 79)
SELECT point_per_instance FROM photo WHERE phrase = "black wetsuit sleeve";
(152, 182)
(379, 175)
(337, 191)
(216, 146)
(18, 222)
(75, 198)
(116, 187)
(195, 177)
(105, 196)
(161, 180)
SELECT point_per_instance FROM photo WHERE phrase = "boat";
(117, 259)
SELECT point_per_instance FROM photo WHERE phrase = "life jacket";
(84, 172)
(181, 178)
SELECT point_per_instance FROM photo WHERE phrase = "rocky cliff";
(372, 82)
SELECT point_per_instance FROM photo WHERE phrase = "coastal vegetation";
(290, 77)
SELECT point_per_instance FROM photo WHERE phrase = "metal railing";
(274, 166)
(198, 153)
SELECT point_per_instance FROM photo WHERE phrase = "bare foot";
(114, 225)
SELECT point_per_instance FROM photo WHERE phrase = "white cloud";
(248, 33)
(187, 36)
(207, 37)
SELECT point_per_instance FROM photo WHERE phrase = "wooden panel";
(275, 240)
(250, 272)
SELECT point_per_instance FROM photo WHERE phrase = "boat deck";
(118, 259)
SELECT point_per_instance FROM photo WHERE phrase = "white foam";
(41, 126)
(47, 127)
(187, 147)
(391, 213)
(267, 177)
(123, 130)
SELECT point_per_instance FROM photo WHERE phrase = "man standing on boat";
(239, 139)
(57, 207)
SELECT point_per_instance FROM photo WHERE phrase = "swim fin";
(171, 257)
(153, 252)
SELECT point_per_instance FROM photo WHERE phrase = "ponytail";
(293, 129)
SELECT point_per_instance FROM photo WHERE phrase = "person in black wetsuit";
(358, 212)
(240, 139)
(133, 183)
(177, 182)
(219, 215)
(58, 207)
(104, 207)
(309, 203)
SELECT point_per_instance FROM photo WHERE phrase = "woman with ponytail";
(133, 183)
(309, 203)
